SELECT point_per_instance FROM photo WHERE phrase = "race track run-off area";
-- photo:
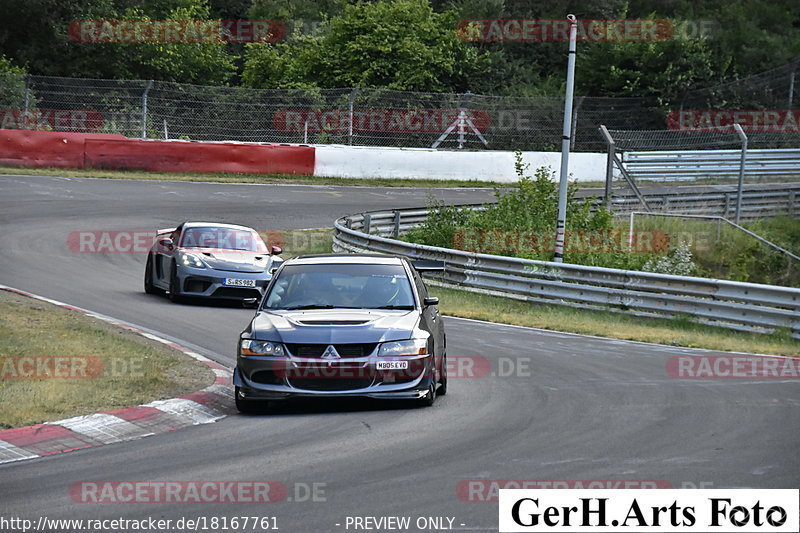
(547, 407)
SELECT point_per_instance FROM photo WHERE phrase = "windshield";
(223, 239)
(341, 286)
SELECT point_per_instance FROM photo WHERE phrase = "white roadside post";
(558, 253)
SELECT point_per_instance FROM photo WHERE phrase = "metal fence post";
(144, 108)
(350, 102)
(612, 149)
(367, 223)
(27, 93)
(742, 163)
(462, 115)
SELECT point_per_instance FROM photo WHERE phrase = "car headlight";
(409, 347)
(191, 260)
(254, 347)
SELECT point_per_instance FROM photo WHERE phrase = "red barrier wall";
(45, 148)
(176, 156)
(109, 151)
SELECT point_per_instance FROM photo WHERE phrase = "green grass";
(724, 252)
(304, 242)
(673, 332)
(115, 367)
(246, 178)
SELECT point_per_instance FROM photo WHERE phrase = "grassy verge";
(672, 332)
(245, 178)
(304, 242)
(80, 365)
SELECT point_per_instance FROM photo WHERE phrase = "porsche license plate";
(238, 282)
(392, 365)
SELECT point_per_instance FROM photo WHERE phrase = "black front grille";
(344, 350)
(331, 384)
(236, 292)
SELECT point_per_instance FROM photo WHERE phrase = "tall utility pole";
(558, 253)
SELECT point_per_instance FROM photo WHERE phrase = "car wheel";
(443, 386)
(173, 284)
(430, 397)
(244, 406)
(149, 288)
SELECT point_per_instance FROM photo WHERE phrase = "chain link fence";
(380, 117)
(351, 116)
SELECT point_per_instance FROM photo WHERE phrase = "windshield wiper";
(408, 307)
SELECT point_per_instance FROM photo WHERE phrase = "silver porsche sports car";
(210, 260)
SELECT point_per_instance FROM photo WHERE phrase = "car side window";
(421, 290)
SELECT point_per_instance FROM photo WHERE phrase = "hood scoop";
(331, 322)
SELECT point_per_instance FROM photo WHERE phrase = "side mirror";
(166, 242)
(250, 303)
(431, 300)
(275, 250)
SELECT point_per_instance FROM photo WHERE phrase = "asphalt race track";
(554, 406)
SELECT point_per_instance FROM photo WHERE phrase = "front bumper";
(210, 283)
(286, 378)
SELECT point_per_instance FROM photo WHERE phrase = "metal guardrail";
(733, 305)
(757, 202)
(693, 164)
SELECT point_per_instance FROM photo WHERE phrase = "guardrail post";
(367, 223)
(612, 149)
(742, 162)
(727, 205)
(348, 223)
(396, 231)
(792, 200)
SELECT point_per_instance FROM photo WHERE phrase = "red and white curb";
(201, 407)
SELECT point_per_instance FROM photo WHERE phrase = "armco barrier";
(115, 152)
(733, 305)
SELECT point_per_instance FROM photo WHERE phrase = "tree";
(52, 52)
(394, 44)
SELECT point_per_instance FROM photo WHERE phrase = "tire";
(173, 284)
(430, 397)
(149, 288)
(244, 406)
(443, 387)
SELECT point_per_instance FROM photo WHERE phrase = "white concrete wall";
(424, 163)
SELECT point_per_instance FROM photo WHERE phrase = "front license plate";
(392, 365)
(238, 282)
